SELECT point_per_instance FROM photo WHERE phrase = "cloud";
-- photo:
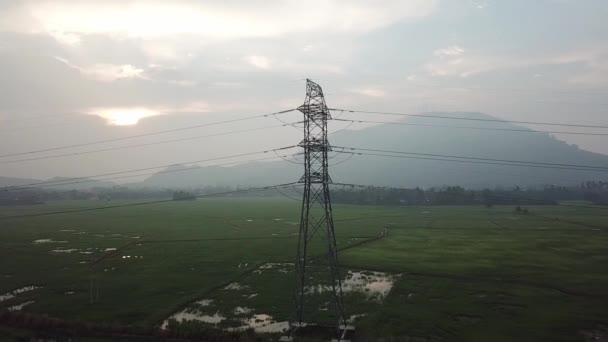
(449, 51)
(183, 83)
(106, 72)
(216, 20)
(371, 92)
(454, 61)
(259, 62)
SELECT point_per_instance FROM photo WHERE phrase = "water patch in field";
(67, 250)
(69, 293)
(19, 307)
(235, 286)
(249, 220)
(262, 323)
(353, 318)
(188, 315)
(375, 285)
(39, 241)
(204, 302)
(239, 310)
(132, 257)
(67, 230)
(110, 249)
(280, 267)
(14, 293)
(80, 233)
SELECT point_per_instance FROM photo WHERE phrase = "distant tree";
(183, 196)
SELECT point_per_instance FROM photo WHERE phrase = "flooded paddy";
(261, 299)
(375, 285)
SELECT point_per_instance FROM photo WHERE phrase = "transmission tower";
(316, 204)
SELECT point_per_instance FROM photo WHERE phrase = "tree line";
(595, 192)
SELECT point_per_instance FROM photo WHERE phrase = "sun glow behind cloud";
(124, 116)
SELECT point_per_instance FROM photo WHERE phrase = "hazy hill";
(537, 147)
(79, 184)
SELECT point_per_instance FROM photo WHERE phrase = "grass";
(462, 273)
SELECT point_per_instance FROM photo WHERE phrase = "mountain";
(418, 137)
(78, 184)
(254, 173)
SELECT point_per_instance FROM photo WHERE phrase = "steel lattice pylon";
(316, 204)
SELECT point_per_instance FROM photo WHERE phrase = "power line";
(467, 119)
(62, 181)
(469, 161)
(140, 145)
(469, 127)
(504, 161)
(156, 173)
(147, 134)
(232, 192)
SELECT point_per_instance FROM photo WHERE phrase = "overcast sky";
(79, 71)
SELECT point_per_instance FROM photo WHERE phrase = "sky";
(74, 72)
